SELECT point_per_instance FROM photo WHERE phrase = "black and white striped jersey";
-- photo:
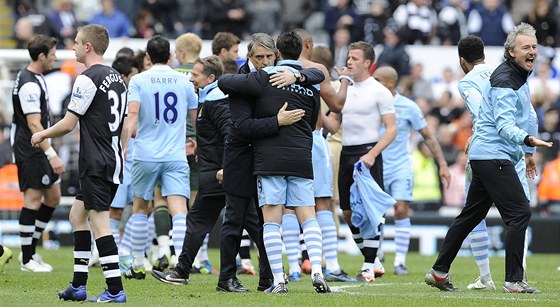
(99, 99)
(29, 96)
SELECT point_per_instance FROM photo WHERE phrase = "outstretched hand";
(538, 142)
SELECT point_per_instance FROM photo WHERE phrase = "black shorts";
(96, 193)
(36, 173)
(348, 156)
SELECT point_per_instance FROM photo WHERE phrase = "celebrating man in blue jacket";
(498, 143)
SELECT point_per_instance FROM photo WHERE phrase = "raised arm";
(333, 98)
(247, 85)
(310, 76)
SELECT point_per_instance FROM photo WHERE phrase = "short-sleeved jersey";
(99, 99)
(366, 102)
(29, 96)
(396, 157)
(165, 96)
(187, 70)
(470, 88)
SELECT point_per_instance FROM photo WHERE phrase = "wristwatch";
(297, 74)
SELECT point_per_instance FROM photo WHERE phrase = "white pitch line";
(457, 295)
(359, 285)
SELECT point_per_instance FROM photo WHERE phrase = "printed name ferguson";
(108, 80)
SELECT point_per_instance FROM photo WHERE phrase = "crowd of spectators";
(392, 24)
(416, 21)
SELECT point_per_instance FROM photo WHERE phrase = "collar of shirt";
(517, 69)
(294, 63)
(160, 67)
(202, 93)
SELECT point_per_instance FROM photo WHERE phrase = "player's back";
(98, 98)
(165, 96)
(397, 154)
(471, 87)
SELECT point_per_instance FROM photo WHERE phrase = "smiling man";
(502, 134)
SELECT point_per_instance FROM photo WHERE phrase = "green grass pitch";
(40, 289)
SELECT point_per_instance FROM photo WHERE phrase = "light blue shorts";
(123, 196)
(399, 188)
(322, 166)
(173, 175)
(289, 191)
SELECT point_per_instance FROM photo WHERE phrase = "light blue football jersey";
(470, 88)
(165, 97)
(396, 157)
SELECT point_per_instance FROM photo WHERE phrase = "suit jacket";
(238, 154)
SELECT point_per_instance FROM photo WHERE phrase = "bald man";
(397, 166)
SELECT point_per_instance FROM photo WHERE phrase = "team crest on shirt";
(46, 179)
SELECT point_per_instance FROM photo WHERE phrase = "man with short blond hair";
(98, 103)
(368, 106)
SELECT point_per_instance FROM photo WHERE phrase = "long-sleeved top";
(506, 116)
(238, 157)
(212, 127)
(288, 153)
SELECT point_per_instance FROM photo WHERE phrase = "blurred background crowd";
(390, 25)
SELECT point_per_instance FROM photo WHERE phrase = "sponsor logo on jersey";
(78, 93)
(32, 98)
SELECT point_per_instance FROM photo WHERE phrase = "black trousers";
(493, 182)
(241, 213)
(200, 220)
